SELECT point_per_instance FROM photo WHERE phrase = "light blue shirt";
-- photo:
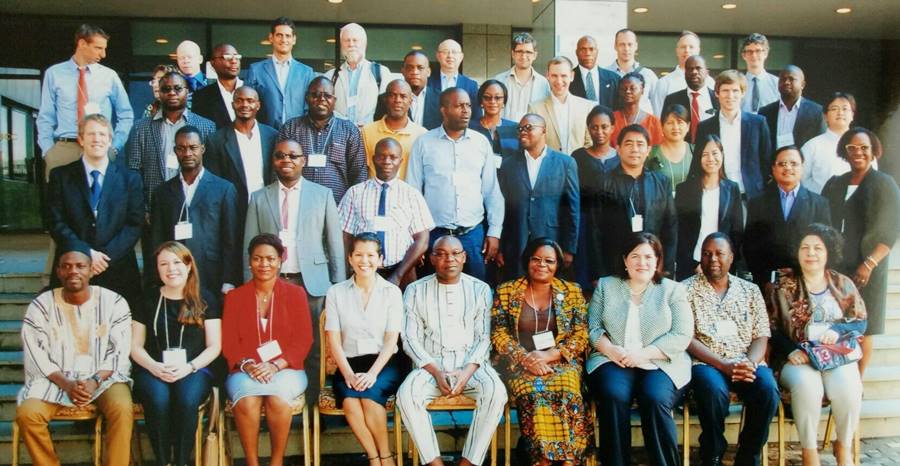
(768, 90)
(354, 89)
(448, 81)
(458, 179)
(787, 200)
(58, 115)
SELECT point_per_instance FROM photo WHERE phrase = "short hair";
(787, 148)
(88, 31)
(536, 244)
(521, 38)
(388, 141)
(188, 129)
(282, 21)
(353, 27)
(446, 93)
(634, 75)
(365, 237)
(413, 53)
(623, 31)
(676, 110)
(560, 60)
(755, 38)
(600, 110)
(834, 242)
(840, 95)
(845, 139)
(635, 128)
(266, 239)
(173, 74)
(731, 77)
(634, 240)
(698, 153)
(718, 235)
(95, 117)
(490, 82)
(163, 69)
(688, 33)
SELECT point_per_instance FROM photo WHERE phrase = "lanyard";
(534, 309)
(316, 148)
(631, 198)
(162, 302)
(184, 212)
(271, 320)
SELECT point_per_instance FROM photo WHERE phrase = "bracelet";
(868, 266)
(244, 362)
(874, 262)
(193, 367)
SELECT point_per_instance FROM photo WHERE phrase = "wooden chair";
(137, 451)
(75, 413)
(454, 403)
(829, 429)
(327, 404)
(298, 407)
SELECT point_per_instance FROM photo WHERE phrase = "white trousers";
(420, 388)
(807, 385)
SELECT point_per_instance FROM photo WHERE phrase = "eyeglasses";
(753, 51)
(443, 255)
(167, 89)
(528, 128)
(493, 98)
(785, 164)
(523, 52)
(836, 109)
(857, 148)
(230, 56)
(319, 95)
(286, 155)
(185, 149)
(542, 261)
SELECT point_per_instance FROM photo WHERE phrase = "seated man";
(76, 340)
(447, 335)
(731, 331)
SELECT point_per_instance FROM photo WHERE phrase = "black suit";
(115, 230)
(608, 92)
(770, 240)
(682, 98)
(208, 103)
(688, 202)
(810, 121)
(214, 218)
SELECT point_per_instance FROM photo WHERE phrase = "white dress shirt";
(730, 132)
(417, 108)
(594, 76)
(292, 261)
(561, 112)
(633, 341)
(534, 165)
(228, 97)
(190, 189)
(88, 168)
(671, 83)
(252, 158)
(363, 327)
(786, 121)
(709, 218)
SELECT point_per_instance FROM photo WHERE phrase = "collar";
(556, 101)
(254, 132)
(784, 193)
(690, 92)
(512, 73)
(782, 106)
(539, 158)
(296, 187)
(420, 94)
(161, 116)
(724, 120)
(104, 164)
(237, 83)
(196, 180)
(710, 291)
(442, 133)
(286, 62)
(379, 182)
(751, 75)
(450, 76)
(362, 64)
(380, 283)
(383, 127)
(615, 64)
(585, 71)
(91, 67)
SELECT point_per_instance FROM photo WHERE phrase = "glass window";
(388, 45)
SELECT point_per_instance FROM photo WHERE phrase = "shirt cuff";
(226, 287)
(494, 230)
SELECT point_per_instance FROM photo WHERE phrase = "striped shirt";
(406, 214)
(340, 142)
(448, 325)
(75, 340)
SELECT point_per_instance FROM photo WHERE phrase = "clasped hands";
(80, 391)
(538, 363)
(170, 373)
(626, 358)
(262, 372)
(361, 381)
(458, 377)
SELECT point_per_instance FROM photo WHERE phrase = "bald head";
(397, 100)
(447, 241)
(245, 104)
(450, 56)
(189, 57)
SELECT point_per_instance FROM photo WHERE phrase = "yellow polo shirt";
(377, 130)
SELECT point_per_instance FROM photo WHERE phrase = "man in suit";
(744, 135)
(450, 57)
(425, 107)
(357, 82)
(540, 190)
(304, 215)
(591, 81)
(523, 83)
(697, 98)
(101, 204)
(190, 64)
(565, 114)
(281, 81)
(762, 86)
(241, 152)
(198, 209)
(688, 45)
(778, 214)
(214, 101)
(793, 120)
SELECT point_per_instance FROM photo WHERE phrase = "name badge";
(367, 346)
(380, 223)
(171, 161)
(316, 160)
(269, 351)
(637, 223)
(184, 230)
(174, 357)
(91, 108)
(726, 328)
(498, 160)
(286, 237)
(543, 340)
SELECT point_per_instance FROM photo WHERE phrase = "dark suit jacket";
(681, 97)
(213, 214)
(770, 241)
(688, 199)
(262, 77)
(609, 86)
(208, 103)
(756, 150)
(810, 121)
(115, 230)
(431, 119)
(551, 209)
(507, 132)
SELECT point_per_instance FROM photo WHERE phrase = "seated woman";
(362, 324)
(267, 332)
(539, 329)
(816, 303)
(172, 376)
(640, 327)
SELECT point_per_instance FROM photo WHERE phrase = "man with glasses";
(214, 101)
(305, 217)
(336, 157)
(450, 57)
(446, 333)
(525, 85)
(548, 205)
(762, 86)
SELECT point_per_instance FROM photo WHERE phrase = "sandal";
(374, 458)
(388, 457)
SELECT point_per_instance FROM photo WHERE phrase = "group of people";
(515, 237)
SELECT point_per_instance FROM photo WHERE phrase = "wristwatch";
(96, 378)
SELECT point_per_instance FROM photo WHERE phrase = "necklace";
(638, 293)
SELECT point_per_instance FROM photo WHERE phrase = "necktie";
(695, 115)
(754, 96)
(382, 209)
(787, 202)
(589, 91)
(82, 92)
(95, 189)
(284, 216)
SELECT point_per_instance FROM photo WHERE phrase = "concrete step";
(893, 295)
(882, 383)
(16, 282)
(73, 442)
(13, 305)
(8, 392)
(11, 370)
(886, 350)
(10, 335)
(892, 322)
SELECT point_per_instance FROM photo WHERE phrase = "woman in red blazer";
(266, 334)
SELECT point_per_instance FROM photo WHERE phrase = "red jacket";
(292, 329)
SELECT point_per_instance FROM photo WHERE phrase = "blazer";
(431, 119)
(688, 200)
(320, 239)
(507, 132)
(551, 209)
(810, 121)
(609, 85)
(756, 150)
(115, 230)
(770, 239)
(667, 323)
(208, 103)
(262, 77)
(578, 132)
(214, 218)
(681, 98)
(144, 150)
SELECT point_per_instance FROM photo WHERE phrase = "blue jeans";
(170, 412)
(711, 391)
(472, 242)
